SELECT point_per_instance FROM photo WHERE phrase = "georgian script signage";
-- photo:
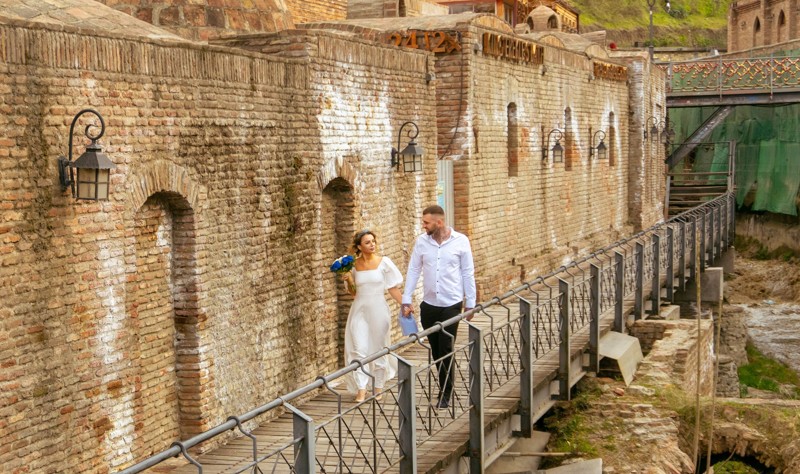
(433, 41)
(612, 72)
(506, 47)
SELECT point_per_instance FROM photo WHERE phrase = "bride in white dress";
(369, 322)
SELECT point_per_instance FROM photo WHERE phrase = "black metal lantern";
(93, 166)
(557, 150)
(667, 132)
(653, 128)
(600, 149)
(411, 155)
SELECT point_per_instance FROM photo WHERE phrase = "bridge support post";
(703, 241)
(564, 359)
(655, 283)
(638, 304)
(594, 323)
(732, 210)
(693, 253)
(718, 240)
(476, 437)
(682, 257)
(406, 400)
(526, 375)
(670, 263)
(619, 292)
(712, 236)
(305, 449)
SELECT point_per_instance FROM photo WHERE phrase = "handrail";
(231, 423)
(720, 75)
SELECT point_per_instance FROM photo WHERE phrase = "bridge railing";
(720, 76)
(526, 325)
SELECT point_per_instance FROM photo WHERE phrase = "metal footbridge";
(523, 350)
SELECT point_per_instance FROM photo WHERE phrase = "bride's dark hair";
(357, 241)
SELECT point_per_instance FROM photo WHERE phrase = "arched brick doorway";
(338, 227)
(162, 305)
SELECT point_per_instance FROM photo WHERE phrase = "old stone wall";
(201, 288)
(759, 22)
(204, 19)
(304, 11)
(675, 356)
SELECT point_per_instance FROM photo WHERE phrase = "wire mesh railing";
(527, 324)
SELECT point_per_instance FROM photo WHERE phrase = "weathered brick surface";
(760, 22)
(201, 288)
(305, 11)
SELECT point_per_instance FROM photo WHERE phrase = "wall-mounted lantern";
(557, 150)
(93, 166)
(667, 132)
(653, 128)
(411, 155)
(600, 148)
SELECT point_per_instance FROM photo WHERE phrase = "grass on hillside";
(733, 467)
(764, 373)
(688, 22)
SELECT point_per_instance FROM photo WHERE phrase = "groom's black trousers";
(442, 342)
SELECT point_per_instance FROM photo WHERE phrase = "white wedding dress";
(369, 324)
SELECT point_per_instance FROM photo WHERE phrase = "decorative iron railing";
(730, 75)
(534, 320)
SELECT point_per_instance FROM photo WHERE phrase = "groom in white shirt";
(444, 258)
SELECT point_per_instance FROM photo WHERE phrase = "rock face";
(773, 328)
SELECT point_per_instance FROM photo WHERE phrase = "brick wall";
(305, 11)
(202, 19)
(673, 349)
(530, 221)
(200, 289)
(777, 22)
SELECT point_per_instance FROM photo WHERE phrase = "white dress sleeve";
(391, 275)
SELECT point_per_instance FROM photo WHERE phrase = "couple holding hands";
(444, 259)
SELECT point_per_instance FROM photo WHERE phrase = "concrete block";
(520, 456)
(711, 286)
(727, 260)
(592, 466)
(625, 349)
(670, 312)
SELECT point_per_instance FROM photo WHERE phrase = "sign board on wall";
(512, 49)
(434, 41)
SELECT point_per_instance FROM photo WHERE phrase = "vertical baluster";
(619, 292)
(476, 449)
(670, 262)
(703, 238)
(655, 282)
(564, 361)
(712, 228)
(305, 449)
(526, 376)
(718, 240)
(407, 401)
(594, 323)
(638, 304)
(693, 253)
(682, 258)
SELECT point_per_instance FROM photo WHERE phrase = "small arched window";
(512, 141)
(552, 22)
(781, 33)
(612, 140)
(569, 149)
(756, 31)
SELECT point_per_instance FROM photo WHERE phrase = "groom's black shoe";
(443, 403)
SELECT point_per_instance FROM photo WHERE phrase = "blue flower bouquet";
(343, 265)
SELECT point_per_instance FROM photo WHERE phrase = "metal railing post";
(526, 375)
(564, 360)
(732, 230)
(682, 257)
(655, 283)
(619, 292)
(638, 303)
(712, 240)
(718, 240)
(594, 323)
(693, 253)
(406, 407)
(670, 263)
(304, 450)
(703, 241)
(476, 438)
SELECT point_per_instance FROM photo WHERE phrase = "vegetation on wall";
(688, 23)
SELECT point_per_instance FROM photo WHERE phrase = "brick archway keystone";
(160, 176)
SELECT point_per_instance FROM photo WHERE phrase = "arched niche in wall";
(612, 139)
(337, 227)
(512, 140)
(756, 32)
(569, 140)
(781, 31)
